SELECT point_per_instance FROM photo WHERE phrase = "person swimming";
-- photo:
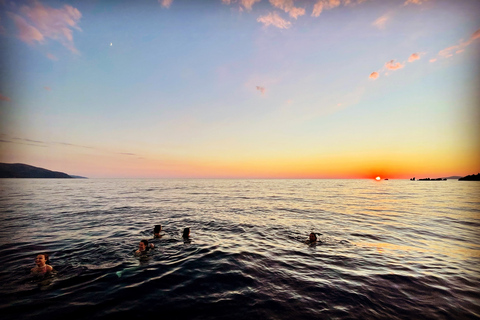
(312, 238)
(42, 267)
(156, 231)
(186, 235)
(144, 247)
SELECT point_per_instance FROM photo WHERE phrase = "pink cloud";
(459, 48)
(392, 65)
(274, 20)
(374, 75)
(288, 7)
(261, 89)
(475, 35)
(165, 3)
(247, 4)
(380, 22)
(37, 22)
(448, 52)
(320, 5)
(47, 88)
(26, 32)
(51, 57)
(317, 9)
(4, 98)
(413, 57)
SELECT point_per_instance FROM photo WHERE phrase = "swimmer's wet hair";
(186, 232)
(157, 228)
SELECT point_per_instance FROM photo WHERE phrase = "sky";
(241, 88)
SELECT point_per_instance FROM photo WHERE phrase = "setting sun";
(377, 178)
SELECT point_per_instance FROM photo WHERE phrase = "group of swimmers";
(143, 247)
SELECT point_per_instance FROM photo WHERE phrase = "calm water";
(391, 249)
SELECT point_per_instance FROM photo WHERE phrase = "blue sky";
(247, 88)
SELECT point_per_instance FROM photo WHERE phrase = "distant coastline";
(472, 177)
(20, 170)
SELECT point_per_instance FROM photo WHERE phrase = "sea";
(390, 249)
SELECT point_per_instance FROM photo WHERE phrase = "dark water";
(389, 250)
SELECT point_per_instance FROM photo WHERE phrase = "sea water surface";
(388, 250)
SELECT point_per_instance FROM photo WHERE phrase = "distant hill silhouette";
(20, 170)
(472, 177)
(452, 177)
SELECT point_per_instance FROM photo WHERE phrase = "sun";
(377, 178)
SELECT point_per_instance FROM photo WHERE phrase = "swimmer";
(186, 233)
(156, 231)
(144, 246)
(42, 267)
(312, 238)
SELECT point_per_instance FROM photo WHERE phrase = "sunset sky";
(241, 88)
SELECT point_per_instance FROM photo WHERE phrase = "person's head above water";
(156, 230)
(312, 237)
(41, 261)
(143, 245)
(186, 232)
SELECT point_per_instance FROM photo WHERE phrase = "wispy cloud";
(26, 32)
(37, 22)
(321, 5)
(51, 57)
(47, 88)
(5, 138)
(459, 48)
(275, 20)
(288, 7)
(4, 98)
(380, 22)
(248, 4)
(165, 3)
(261, 89)
(392, 65)
(244, 4)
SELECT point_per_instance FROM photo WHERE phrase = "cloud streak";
(244, 4)
(288, 7)
(5, 138)
(458, 48)
(37, 22)
(380, 22)
(4, 98)
(273, 19)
